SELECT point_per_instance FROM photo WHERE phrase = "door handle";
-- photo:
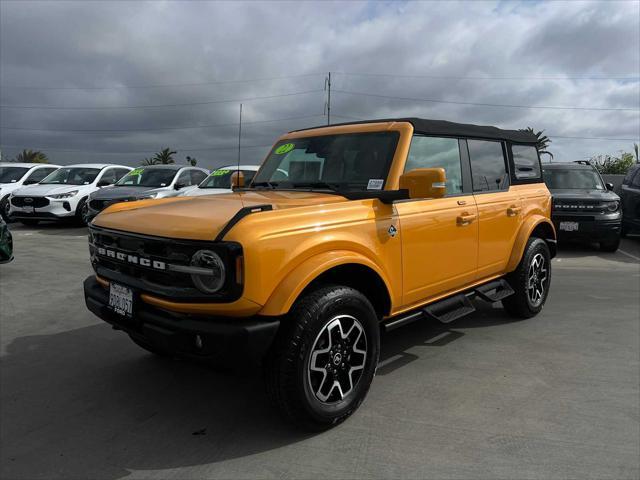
(513, 210)
(465, 219)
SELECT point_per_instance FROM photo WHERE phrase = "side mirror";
(104, 183)
(178, 186)
(237, 179)
(609, 186)
(424, 183)
(29, 182)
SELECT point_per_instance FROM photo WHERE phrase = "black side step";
(450, 309)
(494, 291)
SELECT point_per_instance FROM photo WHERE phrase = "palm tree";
(31, 156)
(164, 157)
(543, 141)
(148, 161)
(192, 161)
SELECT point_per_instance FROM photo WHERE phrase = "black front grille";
(170, 284)
(582, 206)
(37, 202)
(100, 205)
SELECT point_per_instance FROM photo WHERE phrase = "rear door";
(439, 235)
(499, 206)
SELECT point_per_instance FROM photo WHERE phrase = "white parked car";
(15, 175)
(220, 180)
(64, 193)
(154, 181)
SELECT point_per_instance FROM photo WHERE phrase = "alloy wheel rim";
(337, 359)
(537, 279)
(84, 213)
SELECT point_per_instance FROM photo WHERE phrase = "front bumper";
(590, 227)
(228, 341)
(56, 209)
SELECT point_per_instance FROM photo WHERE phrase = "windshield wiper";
(271, 185)
(334, 187)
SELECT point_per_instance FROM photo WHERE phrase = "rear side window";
(488, 168)
(526, 162)
(436, 152)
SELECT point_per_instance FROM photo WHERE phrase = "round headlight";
(212, 277)
(612, 206)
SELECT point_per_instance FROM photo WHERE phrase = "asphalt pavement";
(556, 396)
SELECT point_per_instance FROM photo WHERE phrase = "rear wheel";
(324, 358)
(610, 245)
(530, 281)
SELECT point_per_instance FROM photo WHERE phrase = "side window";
(526, 162)
(108, 177)
(488, 168)
(197, 176)
(37, 175)
(436, 152)
(636, 179)
(120, 172)
(184, 179)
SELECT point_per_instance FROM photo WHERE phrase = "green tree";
(31, 156)
(192, 161)
(610, 165)
(164, 157)
(543, 141)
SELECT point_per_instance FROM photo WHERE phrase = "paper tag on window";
(375, 184)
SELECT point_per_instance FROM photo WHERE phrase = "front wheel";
(324, 358)
(82, 212)
(5, 207)
(530, 281)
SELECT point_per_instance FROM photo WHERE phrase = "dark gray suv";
(584, 207)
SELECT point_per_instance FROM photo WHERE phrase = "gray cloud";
(80, 46)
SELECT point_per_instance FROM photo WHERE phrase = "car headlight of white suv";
(59, 196)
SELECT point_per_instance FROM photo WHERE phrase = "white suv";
(14, 175)
(220, 180)
(64, 193)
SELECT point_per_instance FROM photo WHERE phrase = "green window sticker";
(218, 173)
(136, 172)
(286, 148)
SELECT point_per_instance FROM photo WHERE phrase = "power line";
(487, 77)
(233, 100)
(501, 105)
(218, 125)
(149, 151)
(165, 85)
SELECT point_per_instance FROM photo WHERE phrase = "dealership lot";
(552, 397)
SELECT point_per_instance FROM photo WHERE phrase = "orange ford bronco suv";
(345, 231)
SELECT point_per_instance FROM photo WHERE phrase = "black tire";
(535, 265)
(315, 324)
(610, 245)
(29, 222)
(82, 212)
(151, 348)
(4, 208)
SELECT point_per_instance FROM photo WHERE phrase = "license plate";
(30, 209)
(569, 226)
(121, 299)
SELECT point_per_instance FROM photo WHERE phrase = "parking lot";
(556, 396)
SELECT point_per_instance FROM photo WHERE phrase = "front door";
(439, 236)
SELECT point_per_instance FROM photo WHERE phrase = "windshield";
(572, 179)
(221, 178)
(72, 176)
(12, 174)
(148, 177)
(357, 161)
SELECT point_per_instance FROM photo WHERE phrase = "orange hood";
(199, 218)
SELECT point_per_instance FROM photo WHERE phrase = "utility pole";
(239, 138)
(327, 87)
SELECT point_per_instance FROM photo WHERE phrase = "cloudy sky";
(117, 81)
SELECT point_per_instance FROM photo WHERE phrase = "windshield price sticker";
(218, 173)
(286, 148)
(375, 184)
(136, 171)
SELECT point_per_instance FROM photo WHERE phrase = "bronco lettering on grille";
(132, 259)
